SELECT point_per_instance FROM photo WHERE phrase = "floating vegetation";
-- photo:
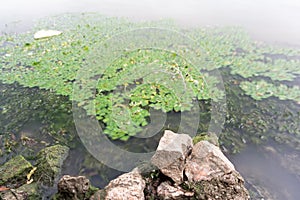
(262, 89)
(144, 78)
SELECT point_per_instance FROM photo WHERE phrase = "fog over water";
(274, 21)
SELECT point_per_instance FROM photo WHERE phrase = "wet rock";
(26, 191)
(166, 191)
(49, 162)
(14, 195)
(171, 154)
(127, 186)
(73, 188)
(13, 173)
(212, 175)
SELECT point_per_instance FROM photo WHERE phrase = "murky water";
(275, 21)
(270, 171)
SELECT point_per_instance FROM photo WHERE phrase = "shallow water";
(263, 166)
(271, 21)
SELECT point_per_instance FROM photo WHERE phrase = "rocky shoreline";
(179, 169)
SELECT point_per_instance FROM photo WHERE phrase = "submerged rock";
(14, 195)
(49, 162)
(13, 173)
(171, 154)
(26, 191)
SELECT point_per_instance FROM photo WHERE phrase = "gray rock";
(49, 162)
(206, 162)
(127, 186)
(212, 175)
(73, 188)
(171, 154)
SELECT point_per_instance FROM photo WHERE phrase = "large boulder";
(127, 186)
(171, 154)
(49, 163)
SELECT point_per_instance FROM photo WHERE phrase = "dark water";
(269, 166)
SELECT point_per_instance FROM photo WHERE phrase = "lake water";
(275, 22)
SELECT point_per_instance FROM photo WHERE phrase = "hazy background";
(275, 21)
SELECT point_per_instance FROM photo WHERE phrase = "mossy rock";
(49, 162)
(211, 137)
(26, 191)
(32, 191)
(14, 171)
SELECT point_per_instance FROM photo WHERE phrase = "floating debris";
(46, 33)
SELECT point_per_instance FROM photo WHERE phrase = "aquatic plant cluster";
(125, 91)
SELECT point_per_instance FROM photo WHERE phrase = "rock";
(46, 33)
(171, 154)
(26, 191)
(98, 195)
(14, 195)
(206, 162)
(167, 191)
(49, 162)
(73, 188)
(212, 175)
(13, 173)
(210, 137)
(32, 191)
(227, 187)
(127, 186)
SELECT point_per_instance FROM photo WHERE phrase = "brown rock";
(205, 162)
(73, 188)
(212, 175)
(171, 154)
(227, 187)
(127, 186)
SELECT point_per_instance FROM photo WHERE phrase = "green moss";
(32, 191)
(211, 137)
(49, 162)
(14, 171)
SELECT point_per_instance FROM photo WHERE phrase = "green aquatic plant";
(262, 89)
(143, 79)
